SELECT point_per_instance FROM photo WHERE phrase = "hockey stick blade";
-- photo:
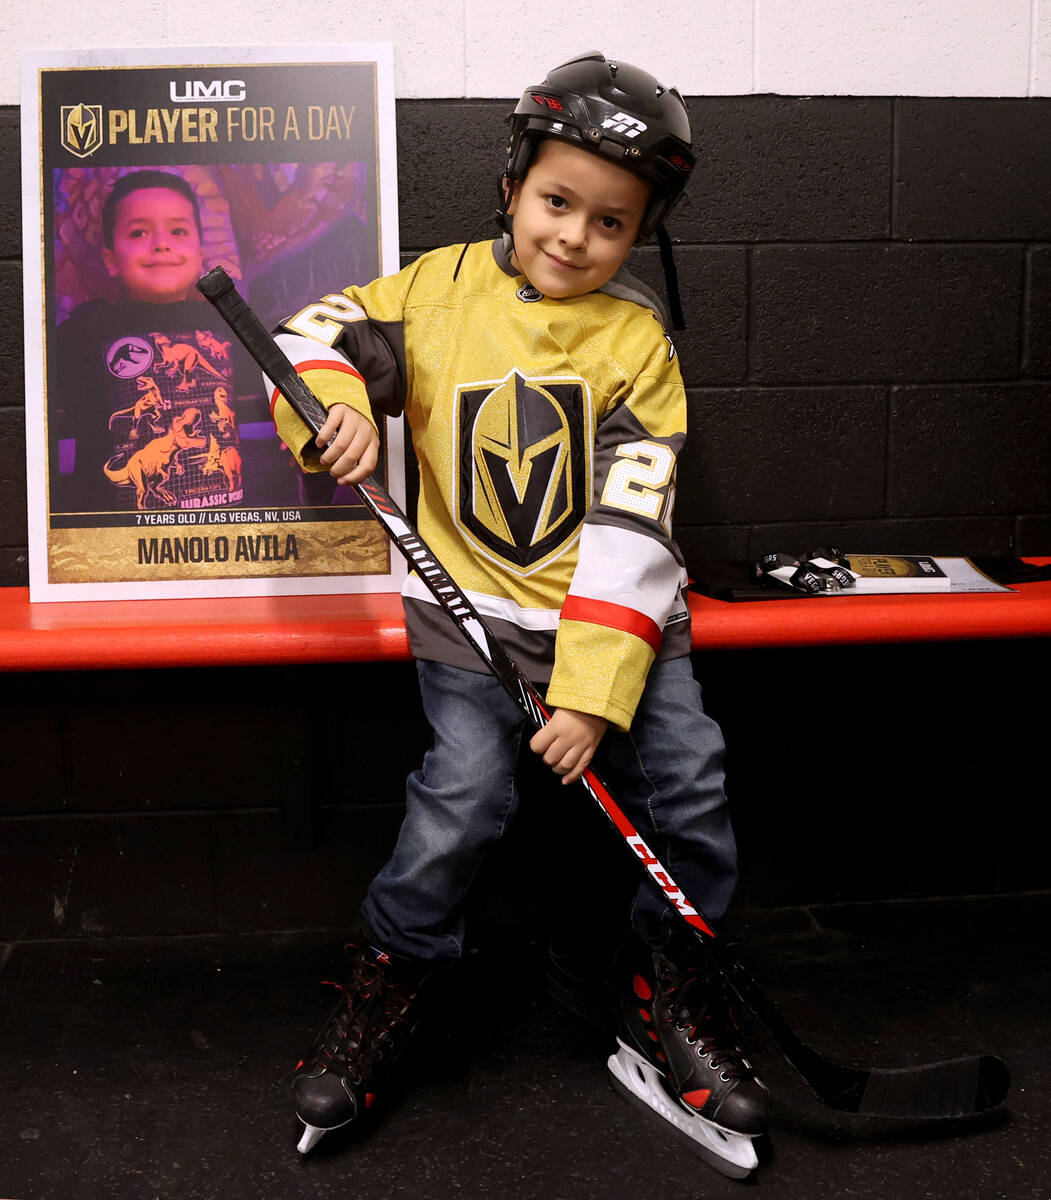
(955, 1088)
(952, 1088)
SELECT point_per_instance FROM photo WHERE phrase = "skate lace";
(699, 1006)
(365, 1023)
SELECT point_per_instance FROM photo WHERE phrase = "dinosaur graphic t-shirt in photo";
(142, 411)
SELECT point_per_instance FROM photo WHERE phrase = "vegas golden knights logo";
(523, 467)
(81, 128)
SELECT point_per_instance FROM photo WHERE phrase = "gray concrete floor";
(160, 1068)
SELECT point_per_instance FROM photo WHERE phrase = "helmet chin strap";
(671, 277)
(499, 216)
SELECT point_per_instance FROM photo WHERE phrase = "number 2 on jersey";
(640, 481)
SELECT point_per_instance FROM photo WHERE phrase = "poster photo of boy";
(145, 411)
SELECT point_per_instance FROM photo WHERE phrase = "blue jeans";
(666, 773)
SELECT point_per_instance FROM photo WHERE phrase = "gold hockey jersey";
(547, 433)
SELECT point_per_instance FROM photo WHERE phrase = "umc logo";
(193, 90)
(81, 128)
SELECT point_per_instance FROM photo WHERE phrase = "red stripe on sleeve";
(613, 616)
(319, 364)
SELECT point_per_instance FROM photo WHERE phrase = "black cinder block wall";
(868, 361)
(868, 351)
(866, 286)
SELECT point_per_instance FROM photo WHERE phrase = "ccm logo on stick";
(196, 89)
(667, 884)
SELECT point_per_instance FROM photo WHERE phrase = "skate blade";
(312, 1134)
(640, 1083)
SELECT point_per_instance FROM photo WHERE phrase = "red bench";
(370, 628)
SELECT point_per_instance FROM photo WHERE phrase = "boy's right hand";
(568, 742)
(350, 444)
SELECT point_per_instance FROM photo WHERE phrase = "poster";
(154, 470)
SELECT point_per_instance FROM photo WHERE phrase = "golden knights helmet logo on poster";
(81, 131)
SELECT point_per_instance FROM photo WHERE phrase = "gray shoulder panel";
(624, 286)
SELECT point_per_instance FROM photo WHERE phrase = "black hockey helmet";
(615, 110)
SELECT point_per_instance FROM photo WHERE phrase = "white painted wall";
(493, 48)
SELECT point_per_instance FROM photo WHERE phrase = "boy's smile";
(576, 216)
(156, 249)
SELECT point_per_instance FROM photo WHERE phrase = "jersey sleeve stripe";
(613, 616)
(626, 567)
(321, 364)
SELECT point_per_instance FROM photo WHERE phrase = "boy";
(547, 410)
(142, 407)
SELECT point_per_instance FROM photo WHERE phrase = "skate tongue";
(396, 967)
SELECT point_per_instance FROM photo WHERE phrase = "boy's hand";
(355, 446)
(568, 741)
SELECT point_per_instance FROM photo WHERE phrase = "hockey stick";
(952, 1088)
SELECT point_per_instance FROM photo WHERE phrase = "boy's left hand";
(568, 741)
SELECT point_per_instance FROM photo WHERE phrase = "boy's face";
(576, 216)
(156, 249)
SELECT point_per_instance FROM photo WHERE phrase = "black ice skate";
(680, 1056)
(359, 1042)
